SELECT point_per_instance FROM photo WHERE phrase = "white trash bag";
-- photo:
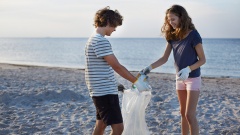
(134, 104)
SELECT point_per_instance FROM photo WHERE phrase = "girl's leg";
(182, 98)
(190, 114)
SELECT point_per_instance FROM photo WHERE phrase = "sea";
(222, 55)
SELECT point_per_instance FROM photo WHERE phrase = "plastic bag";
(134, 104)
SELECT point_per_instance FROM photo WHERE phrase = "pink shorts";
(193, 84)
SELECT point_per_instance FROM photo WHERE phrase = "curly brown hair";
(185, 24)
(105, 16)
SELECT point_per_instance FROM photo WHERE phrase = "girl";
(186, 43)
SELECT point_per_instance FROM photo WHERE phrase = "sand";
(49, 100)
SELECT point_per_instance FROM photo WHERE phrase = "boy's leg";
(100, 103)
(99, 128)
(108, 113)
(117, 129)
(115, 120)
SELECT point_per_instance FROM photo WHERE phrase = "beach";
(51, 100)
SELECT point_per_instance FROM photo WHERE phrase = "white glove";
(146, 70)
(141, 83)
(183, 74)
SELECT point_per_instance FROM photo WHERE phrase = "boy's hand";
(141, 83)
(183, 74)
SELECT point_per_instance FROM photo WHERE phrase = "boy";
(99, 73)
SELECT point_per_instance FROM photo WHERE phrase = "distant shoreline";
(107, 37)
(48, 66)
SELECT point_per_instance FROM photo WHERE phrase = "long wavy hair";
(185, 24)
(105, 16)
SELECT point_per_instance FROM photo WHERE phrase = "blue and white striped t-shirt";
(99, 75)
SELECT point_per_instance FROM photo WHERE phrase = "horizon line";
(126, 37)
(122, 37)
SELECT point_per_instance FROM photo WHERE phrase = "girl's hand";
(183, 74)
(146, 70)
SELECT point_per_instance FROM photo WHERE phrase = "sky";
(142, 18)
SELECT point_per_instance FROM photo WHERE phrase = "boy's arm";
(117, 67)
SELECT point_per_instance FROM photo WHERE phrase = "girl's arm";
(201, 57)
(164, 58)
